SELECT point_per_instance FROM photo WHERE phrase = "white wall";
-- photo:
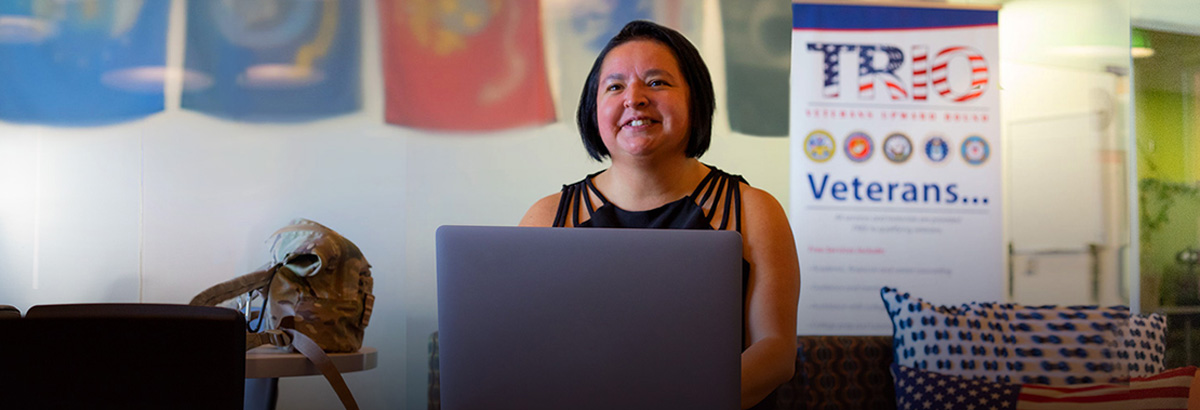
(156, 210)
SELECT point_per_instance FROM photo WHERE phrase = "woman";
(648, 105)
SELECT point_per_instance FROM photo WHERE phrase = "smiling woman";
(647, 106)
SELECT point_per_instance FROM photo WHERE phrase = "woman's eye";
(658, 83)
(613, 87)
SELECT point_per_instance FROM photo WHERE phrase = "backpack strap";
(235, 287)
(307, 347)
(294, 339)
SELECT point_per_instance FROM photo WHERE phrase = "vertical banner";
(757, 60)
(896, 173)
(79, 63)
(464, 66)
(272, 60)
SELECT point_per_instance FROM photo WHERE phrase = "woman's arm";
(773, 292)
(542, 212)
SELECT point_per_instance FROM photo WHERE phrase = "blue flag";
(79, 63)
(583, 28)
(272, 60)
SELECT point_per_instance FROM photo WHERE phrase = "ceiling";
(1181, 16)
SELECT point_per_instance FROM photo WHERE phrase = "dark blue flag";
(78, 63)
(583, 27)
(273, 60)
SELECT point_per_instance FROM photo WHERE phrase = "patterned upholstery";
(842, 373)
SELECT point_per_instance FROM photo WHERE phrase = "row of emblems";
(820, 146)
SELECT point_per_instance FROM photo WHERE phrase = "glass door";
(1167, 81)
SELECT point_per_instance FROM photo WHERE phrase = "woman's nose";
(635, 97)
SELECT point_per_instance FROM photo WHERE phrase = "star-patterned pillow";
(920, 389)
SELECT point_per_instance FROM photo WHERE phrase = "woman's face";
(642, 103)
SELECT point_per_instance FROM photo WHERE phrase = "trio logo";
(922, 71)
(820, 146)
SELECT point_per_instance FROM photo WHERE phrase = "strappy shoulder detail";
(726, 195)
(573, 198)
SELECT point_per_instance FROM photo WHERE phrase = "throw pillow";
(918, 389)
(947, 339)
(1143, 345)
(1061, 345)
(922, 389)
(1007, 342)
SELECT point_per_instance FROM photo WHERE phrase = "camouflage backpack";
(315, 296)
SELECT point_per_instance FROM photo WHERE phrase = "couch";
(832, 372)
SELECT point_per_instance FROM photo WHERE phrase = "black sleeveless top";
(685, 213)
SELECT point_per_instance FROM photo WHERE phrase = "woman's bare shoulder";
(542, 212)
(764, 216)
(758, 201)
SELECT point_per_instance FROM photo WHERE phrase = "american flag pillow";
(920, 389)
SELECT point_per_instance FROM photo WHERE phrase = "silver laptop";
(589, 318)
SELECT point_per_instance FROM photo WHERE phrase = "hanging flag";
(583, 27)
(464, 65)
(757, 59)
(85, 62)
(272, 60)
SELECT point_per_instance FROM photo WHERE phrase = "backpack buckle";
(278, 337)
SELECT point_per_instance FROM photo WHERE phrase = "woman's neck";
(640, 186)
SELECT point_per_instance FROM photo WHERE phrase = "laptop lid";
(590, 318)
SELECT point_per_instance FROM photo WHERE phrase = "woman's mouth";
(639, 122)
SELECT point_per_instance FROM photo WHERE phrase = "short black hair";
(701, 100)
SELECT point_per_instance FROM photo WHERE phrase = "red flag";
(465, 65)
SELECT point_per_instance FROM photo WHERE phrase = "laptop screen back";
(552, 318)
